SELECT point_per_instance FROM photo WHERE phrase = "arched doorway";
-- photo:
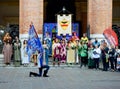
(77, 7)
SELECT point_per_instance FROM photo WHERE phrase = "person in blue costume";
(48, 42)
(46, 52)
(41, 65)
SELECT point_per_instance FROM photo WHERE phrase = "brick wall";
(31, 10)
(99, 15)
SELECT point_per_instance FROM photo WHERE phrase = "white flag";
(64, 24)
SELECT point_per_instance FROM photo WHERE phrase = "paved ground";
(60, 78)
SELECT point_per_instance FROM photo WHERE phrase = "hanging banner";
(64, 25)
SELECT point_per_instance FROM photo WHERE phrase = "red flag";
(111, 36)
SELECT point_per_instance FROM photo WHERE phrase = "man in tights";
(41, 65)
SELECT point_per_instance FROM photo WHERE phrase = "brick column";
(30, 10)
(99, 16)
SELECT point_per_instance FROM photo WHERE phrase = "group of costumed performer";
(65, 51)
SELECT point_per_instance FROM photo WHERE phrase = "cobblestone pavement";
(62, 77)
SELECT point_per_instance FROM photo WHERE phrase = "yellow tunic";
(71, 54)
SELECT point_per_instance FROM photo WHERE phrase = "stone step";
(1, 60)
(1, 56)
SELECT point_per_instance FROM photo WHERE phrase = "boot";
(40, 71)
(34, 74)
(45, 74)
(30, 74)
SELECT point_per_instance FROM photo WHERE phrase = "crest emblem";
(64, 24)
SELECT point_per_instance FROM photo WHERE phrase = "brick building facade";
(98, 14)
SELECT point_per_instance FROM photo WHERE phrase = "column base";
(100, 37)
(26, 36)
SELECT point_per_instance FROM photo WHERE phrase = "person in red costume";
(74, 36)
(56, 52)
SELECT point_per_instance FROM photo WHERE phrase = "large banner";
(111, 36)
(64, 24)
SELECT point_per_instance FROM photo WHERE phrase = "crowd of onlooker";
(86, 52)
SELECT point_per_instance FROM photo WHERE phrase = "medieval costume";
(46, 52)
(63, 51)
(17, 53)
(76, 51)
(29, 52)
(49, 43)
(89, 43)
(25, 59)
(41, 65)
(56, 55)
(70, 52)
(84, 38)
(74, 36)
(75, 40)
(7, 52)
(35, 46)
(82, 52)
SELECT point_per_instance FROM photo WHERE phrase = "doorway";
(77, 7)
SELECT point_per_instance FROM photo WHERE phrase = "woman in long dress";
(76, 52)
(46, 52)
(70, 53)
(25, 59)
(17, 53)
(7, 52)
(63, 51)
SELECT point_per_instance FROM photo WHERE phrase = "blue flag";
(34, 43)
